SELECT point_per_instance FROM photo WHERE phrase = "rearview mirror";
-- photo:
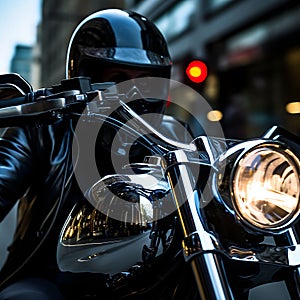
(13, 85)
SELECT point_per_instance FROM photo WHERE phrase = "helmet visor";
(127, 55)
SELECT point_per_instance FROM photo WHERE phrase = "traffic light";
(196, 71)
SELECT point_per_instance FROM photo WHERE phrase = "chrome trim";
(184, 193)
(31, 109)
(284, 256)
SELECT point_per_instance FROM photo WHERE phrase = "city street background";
(251, 49)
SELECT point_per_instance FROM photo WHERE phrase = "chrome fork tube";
(198, 245)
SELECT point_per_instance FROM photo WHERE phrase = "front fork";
(198, 245)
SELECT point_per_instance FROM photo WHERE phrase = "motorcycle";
(211, 218)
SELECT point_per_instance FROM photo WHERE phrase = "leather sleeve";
(16, 167)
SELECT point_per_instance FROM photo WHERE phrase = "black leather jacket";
(35, 165)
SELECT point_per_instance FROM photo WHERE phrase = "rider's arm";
(16, 167)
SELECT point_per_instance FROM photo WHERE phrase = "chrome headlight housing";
(265, 187)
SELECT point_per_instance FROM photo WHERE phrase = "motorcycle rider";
(35, 159)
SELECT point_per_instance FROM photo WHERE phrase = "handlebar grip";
(13, 101)
(28, 98)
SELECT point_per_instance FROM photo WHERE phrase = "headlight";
(266, 187)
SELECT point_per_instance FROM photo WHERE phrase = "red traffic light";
(196, 71)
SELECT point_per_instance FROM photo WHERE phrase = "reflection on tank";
(88, 224)
(112, 235)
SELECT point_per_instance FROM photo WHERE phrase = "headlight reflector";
(266, 187)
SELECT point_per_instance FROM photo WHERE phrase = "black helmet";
(117, 37)
(117, 45)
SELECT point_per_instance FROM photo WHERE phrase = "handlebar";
(54, 101)
(74, 95)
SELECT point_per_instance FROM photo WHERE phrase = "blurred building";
(22, 61)
(26, 62)
(252, 49)
(36, 61)
(59, 19)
